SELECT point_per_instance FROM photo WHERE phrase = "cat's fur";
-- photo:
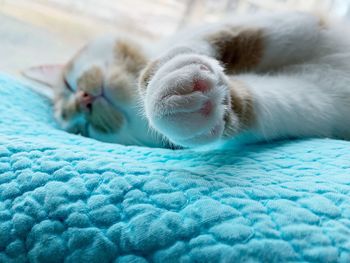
(258, 77)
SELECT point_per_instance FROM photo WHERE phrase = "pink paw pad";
(207, 108)
(200, 85)
(204, 67)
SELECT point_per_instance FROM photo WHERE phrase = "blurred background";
(49, 31)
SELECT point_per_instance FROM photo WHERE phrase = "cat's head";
(95, 93)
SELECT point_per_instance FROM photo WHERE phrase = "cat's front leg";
(192, 102)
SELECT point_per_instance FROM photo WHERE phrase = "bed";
(66, 198)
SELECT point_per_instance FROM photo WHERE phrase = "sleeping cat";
(250, 78)
(96, 93)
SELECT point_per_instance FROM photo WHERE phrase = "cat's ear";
(48, 75)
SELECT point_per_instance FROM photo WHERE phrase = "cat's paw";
(186, 100)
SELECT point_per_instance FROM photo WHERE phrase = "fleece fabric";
(66, 198)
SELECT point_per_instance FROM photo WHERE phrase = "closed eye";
(68, 86)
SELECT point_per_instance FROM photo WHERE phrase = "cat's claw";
(185, 100)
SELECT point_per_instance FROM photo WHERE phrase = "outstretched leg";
(192, 102)
(189, 93)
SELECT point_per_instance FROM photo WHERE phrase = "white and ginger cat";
(251, 78)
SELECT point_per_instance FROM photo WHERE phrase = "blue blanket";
(73, 199)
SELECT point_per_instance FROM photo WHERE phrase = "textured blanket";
(65, 198)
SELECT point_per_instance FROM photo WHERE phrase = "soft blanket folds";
(65, 198)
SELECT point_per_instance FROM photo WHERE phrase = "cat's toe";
(187, 104)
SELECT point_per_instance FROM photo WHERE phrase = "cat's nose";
(85, 101)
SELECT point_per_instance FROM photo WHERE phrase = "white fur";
(309, 100)
(175, 109)
(135, 129)
(300, 88)
(308, 95)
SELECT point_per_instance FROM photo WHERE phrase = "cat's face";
(96, 92)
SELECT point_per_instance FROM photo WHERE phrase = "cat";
(95, 93)
(249, 78)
